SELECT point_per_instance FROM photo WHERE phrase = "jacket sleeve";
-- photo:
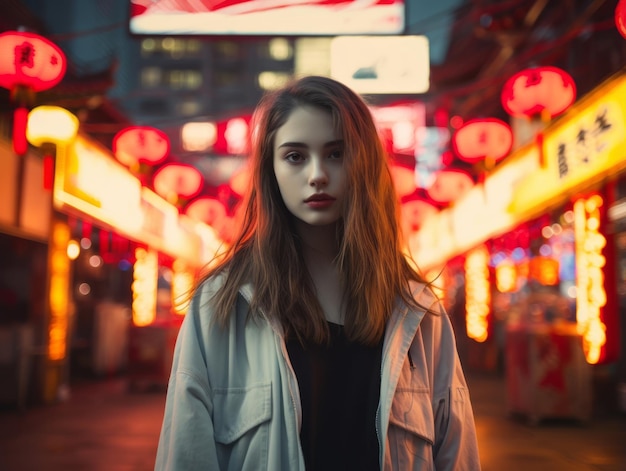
(456, 446)
(186, 442)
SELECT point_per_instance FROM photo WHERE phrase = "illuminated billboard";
(381, 64)
(267, 17)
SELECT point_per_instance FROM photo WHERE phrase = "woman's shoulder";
(423, 295)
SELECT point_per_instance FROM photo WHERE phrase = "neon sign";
(591, 296)
(477, 294)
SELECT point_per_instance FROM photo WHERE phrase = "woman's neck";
(320, 247)
(318, 241)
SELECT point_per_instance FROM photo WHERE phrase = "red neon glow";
(20, 120)
(479, 139)
(620, 17)
(233, 136)
(327, 17)
(48, 171)
(542, 91)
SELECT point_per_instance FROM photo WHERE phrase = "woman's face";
(308, 164)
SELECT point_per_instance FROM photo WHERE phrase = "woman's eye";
(294, 157)
(336, 154)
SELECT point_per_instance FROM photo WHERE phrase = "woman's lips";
(319, 201)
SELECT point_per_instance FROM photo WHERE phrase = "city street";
(104, 427)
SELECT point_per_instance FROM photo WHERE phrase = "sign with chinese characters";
(587, 144)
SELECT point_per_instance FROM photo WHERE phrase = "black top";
(339, 388)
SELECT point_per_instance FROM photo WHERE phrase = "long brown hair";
(373, 268)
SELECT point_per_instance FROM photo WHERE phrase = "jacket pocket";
(241, 419)
(412, 430)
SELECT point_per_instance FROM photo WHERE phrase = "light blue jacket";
(233, 401)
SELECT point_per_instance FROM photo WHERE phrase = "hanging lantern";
(450, 184)
(47, 125)
(487, 139)
(241, 180)
(138, 145)
(206, 209)
(212, 212)
(542, 91)
(176, 182)
(29, 63)
(620, 17)
(415, 209)
(403, 180)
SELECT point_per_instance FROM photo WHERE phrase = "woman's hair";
(267, 252)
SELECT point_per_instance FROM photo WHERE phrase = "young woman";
(314, 344)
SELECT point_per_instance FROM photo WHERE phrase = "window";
(270, 80)
(151, 77)
(154, 107)
(175, 48)
(184, 79)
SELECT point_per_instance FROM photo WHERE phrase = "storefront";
(538, 247)
(137, 261)
(24, 215)
(88, 261)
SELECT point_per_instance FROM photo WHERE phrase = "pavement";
(104, 426)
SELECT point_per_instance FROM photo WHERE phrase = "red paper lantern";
(415, 212)
(450, 184)
(241, 180)
(28, 63)
(546, 91)
(212, 212)
(206, 209)
(178, 181)
(141, 144)
(620, 17)
(403, 180)
(480, 139)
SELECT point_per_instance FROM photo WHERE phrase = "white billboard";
(381, 64)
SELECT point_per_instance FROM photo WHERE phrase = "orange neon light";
(182, 284)
(506, 277)
(59, 291)
(145, 279)
(477, 294)
(591, 296)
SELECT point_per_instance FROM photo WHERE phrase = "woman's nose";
(318, 175)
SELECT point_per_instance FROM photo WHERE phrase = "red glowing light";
(141, 144)
(450, 184)
(175, 181)
(20, 120)
(620, 17)
(31, 61)
(479, 139)
(542, 91)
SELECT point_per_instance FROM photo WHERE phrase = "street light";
(53, 129)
